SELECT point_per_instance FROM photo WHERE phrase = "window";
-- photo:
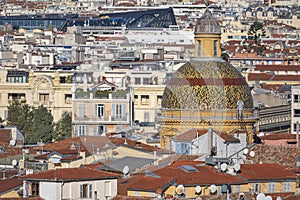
(256, 188)
(107, 188)
(86, 191)
(295, 127)
(296, 112)
(81, 110)
(271, 187)
(68, 98)
(118, 110)
(136, 193)
(146, 117)
(43, 97)
(296, 98)
(199, 49)
(287, 186)
(237, 188)
(35, 189)
(137, 81)
(99, 110)
(81, 130)
(215, 48)
(100, 129)
(145, 97)
(146, 81)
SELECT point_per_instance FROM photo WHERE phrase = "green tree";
(255, 33)
(19, 115)
(42, 126)
(63, 128)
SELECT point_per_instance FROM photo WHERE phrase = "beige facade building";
(100, 109)
(51, 89)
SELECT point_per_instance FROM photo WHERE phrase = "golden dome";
(206, 84)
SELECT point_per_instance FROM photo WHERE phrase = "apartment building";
(100, 108)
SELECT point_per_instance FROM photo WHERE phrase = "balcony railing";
(106, 118)
(101, 95)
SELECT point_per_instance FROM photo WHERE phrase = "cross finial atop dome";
(206, 3)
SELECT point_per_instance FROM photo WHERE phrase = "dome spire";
(207, 35)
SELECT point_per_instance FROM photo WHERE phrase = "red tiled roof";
(86, 143)
(282, 155)
(70, 174)
(266, 171)
(5, 136)
(267, 77)
(205, 175)
(277, 67)
(278, 136)
(156, 183)
(190, 135)
(10, 184)
(133, 144)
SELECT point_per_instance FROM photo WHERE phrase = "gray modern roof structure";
(134, 164)
(152, 18)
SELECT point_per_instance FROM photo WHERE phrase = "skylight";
(188, 168)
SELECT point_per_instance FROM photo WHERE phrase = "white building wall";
(72, 190)
(50, 190)
(295, 106)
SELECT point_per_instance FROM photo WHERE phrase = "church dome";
(207, 24)
(206, 84)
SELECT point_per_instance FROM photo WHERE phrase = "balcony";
(106, 118)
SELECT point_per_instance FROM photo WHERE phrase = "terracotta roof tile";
(266, 171)
(267, 77)
(205, 175)
(161, 183)
(70, 174)
(282, 155)
(278, 136)
(5, 136)
(277, 67)
(10, 184)
(86, 143)
(190, 135)
(133, 144)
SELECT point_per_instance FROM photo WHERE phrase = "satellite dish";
(12, 142)
(246, 151)
(126, 170)
(14, 162)
(260, 196)
(198, 189)
(242, 195)
(268, 197)
(252, 154)
(223, 167)
(179, 189)
(213, 188)
(278, 198)
(237, 167)
(73, 89)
